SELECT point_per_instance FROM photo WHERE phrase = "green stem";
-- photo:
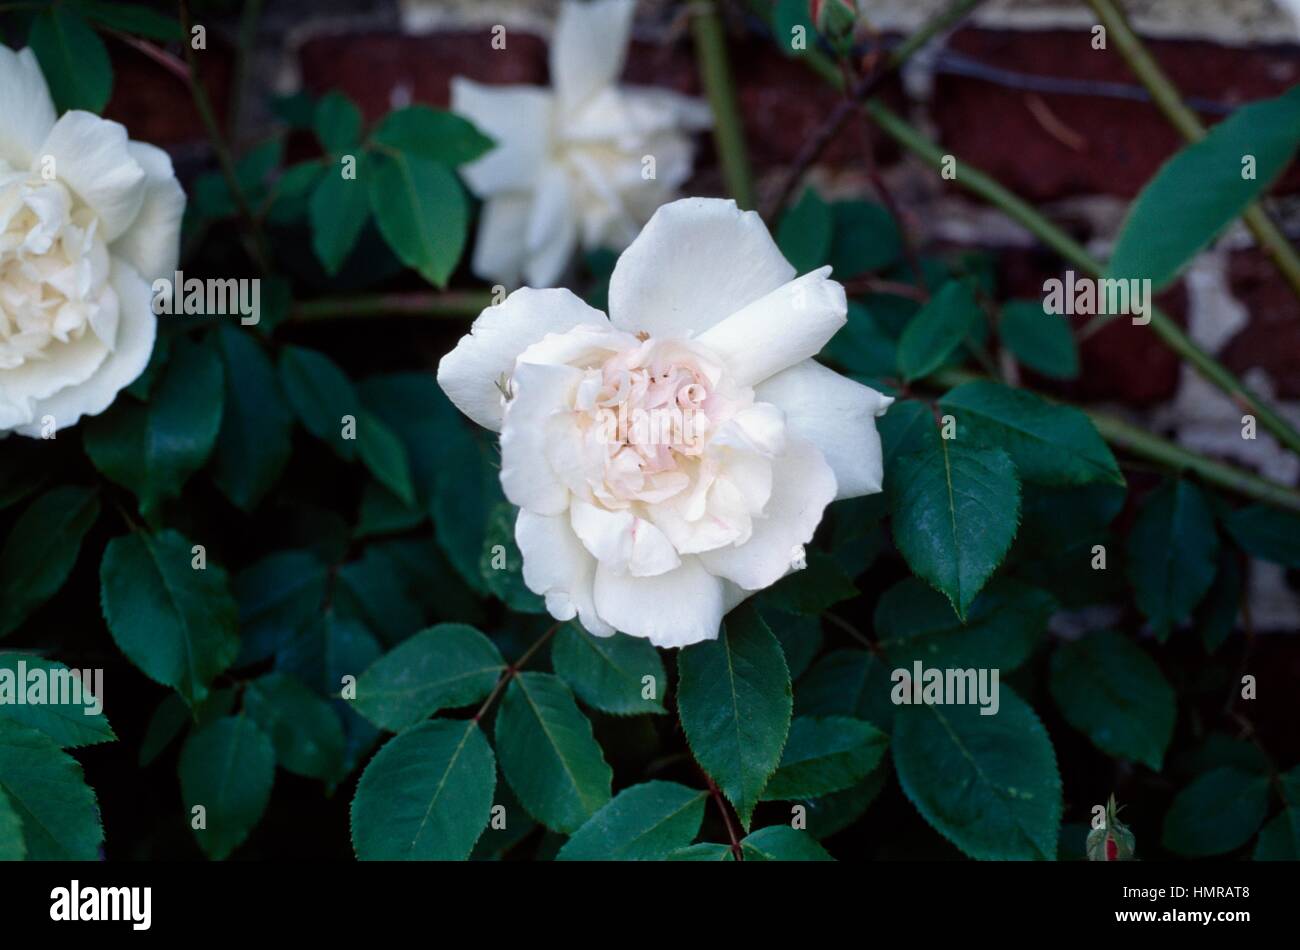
(728, 133)
(257, 240)
(243, 57)
(1138, 442)
(1050, 234)
(443, 305)
(1188, 124)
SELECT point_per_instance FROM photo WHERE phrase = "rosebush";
(369, 565)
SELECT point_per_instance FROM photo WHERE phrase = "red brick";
(1122, 143)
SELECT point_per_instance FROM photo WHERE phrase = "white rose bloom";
(658, 529)
(573, 164)
(88, 219)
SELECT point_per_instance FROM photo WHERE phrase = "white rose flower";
(653, 529)
(587, 162)
(88, 219)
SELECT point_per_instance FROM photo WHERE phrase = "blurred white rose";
(88, 220)
(573, 164)
(654, 529)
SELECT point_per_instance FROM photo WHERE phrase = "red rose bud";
(1113, 841)
(835, 20)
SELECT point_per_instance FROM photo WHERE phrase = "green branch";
(728, 133)
(1188, 124)
(1142, 444)
(456, 304)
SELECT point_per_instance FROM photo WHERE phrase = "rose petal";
(26, 109)
(526, 476)
(137, 327)
(558, 567)
(837, 415)
(91, 157)
(470, 373)
(500, 248)
(696, 262)
(786, 326)
(518, 119)
(589, 47)
(674, 609)
(802, 486)
(153, 242)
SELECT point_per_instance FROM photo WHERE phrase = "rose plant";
(633, 533)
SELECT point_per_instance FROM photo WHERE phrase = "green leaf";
(1172, 553)
(1050, 443)
(432, 134)
(255, 438)
(422, 212)
(1112, 691)
(152, 449)
(444, 667)
(1268, 533)
(426, 795)
(130, 18)
(1216, 617)
(321, 655)
(227, 767)
(863, 347)
(59, 714)
(22, 470)
(734, 700)
(41, 550)
(45, 788)
(1005, 624)
(988, 784)
(12, 845)
(646, 822)
(548, 753)
(956, 510)
(502, 564)
(607, 672)
(1203, 187)
(303, 729)
(277, 596)
(1219, 812)
(176, 624)
(73, 59)
(819, 586)
(804, 235)
(383, 453)
(705, 851)
(786, 16)
(383, 513)
(321, 395)
(847, 683)
(866, 238)
(824, 756)
(935, 333)
(338, 211)
(169, 719)
(1279, 840)
(782, 843)
(831, 814)
(800, 636)
(337, 122)
(1042, 341)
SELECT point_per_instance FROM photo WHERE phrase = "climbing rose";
(88, 220)
(671, 459)
(585, 163)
